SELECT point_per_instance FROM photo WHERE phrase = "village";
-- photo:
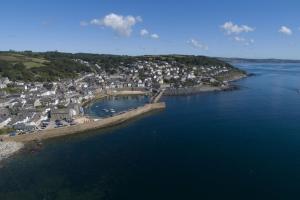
(27, 107)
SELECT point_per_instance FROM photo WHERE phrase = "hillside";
(51, 66)
(28, 66)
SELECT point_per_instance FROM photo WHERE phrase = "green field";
(28, 61)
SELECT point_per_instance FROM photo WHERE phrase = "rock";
(9, 148)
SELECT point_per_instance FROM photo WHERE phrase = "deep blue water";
(243, 144)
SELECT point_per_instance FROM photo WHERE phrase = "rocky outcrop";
(8, 148)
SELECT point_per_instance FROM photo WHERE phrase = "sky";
(231, 28)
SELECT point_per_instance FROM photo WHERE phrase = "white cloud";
(144, 32)
(196, 44)
(234, 31)
(96, 22)
(285, 30)
(139, 18)
(239, 39)
(121, 24)
(231, 28)
(251, 41)
(243, 40)
(154, 36)
(84, 23)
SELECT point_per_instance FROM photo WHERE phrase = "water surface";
(116, 104)
(243, 144)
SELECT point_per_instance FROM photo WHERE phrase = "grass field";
(29, 62)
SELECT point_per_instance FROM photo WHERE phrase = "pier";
(157, 96)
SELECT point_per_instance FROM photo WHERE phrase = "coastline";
(11, 145)
(92, 125)
(8, 148)
(205, 88)
(238, 77)
(192, 90)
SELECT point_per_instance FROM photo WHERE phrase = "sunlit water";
(243, 144)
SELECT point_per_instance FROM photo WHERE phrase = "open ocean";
(242, 144)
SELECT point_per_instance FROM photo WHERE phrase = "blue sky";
(232, 28)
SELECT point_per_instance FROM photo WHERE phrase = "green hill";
(28, 66)
(52, 66)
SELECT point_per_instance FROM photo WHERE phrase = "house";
(60, 114)
(48, 93)
(2, 86)
(141, 84)
(4, 82)
(4, 121)
(22, 127)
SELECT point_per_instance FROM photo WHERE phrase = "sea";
(241, 144)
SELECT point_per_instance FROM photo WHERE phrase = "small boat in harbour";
(112, 110)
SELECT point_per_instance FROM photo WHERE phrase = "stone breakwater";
(8, 148)
(92, 125)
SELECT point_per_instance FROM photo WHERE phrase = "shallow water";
(243, 144)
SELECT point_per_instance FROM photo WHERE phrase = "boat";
(112, 110)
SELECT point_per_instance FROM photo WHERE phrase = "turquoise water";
(243, 144)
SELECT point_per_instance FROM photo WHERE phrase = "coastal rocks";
(9, 148)
(196, 90)
(191, 90)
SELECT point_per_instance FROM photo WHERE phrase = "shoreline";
(91, 125)
(204, 88)
(192, 90)
(11, 145)
(9, 148)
